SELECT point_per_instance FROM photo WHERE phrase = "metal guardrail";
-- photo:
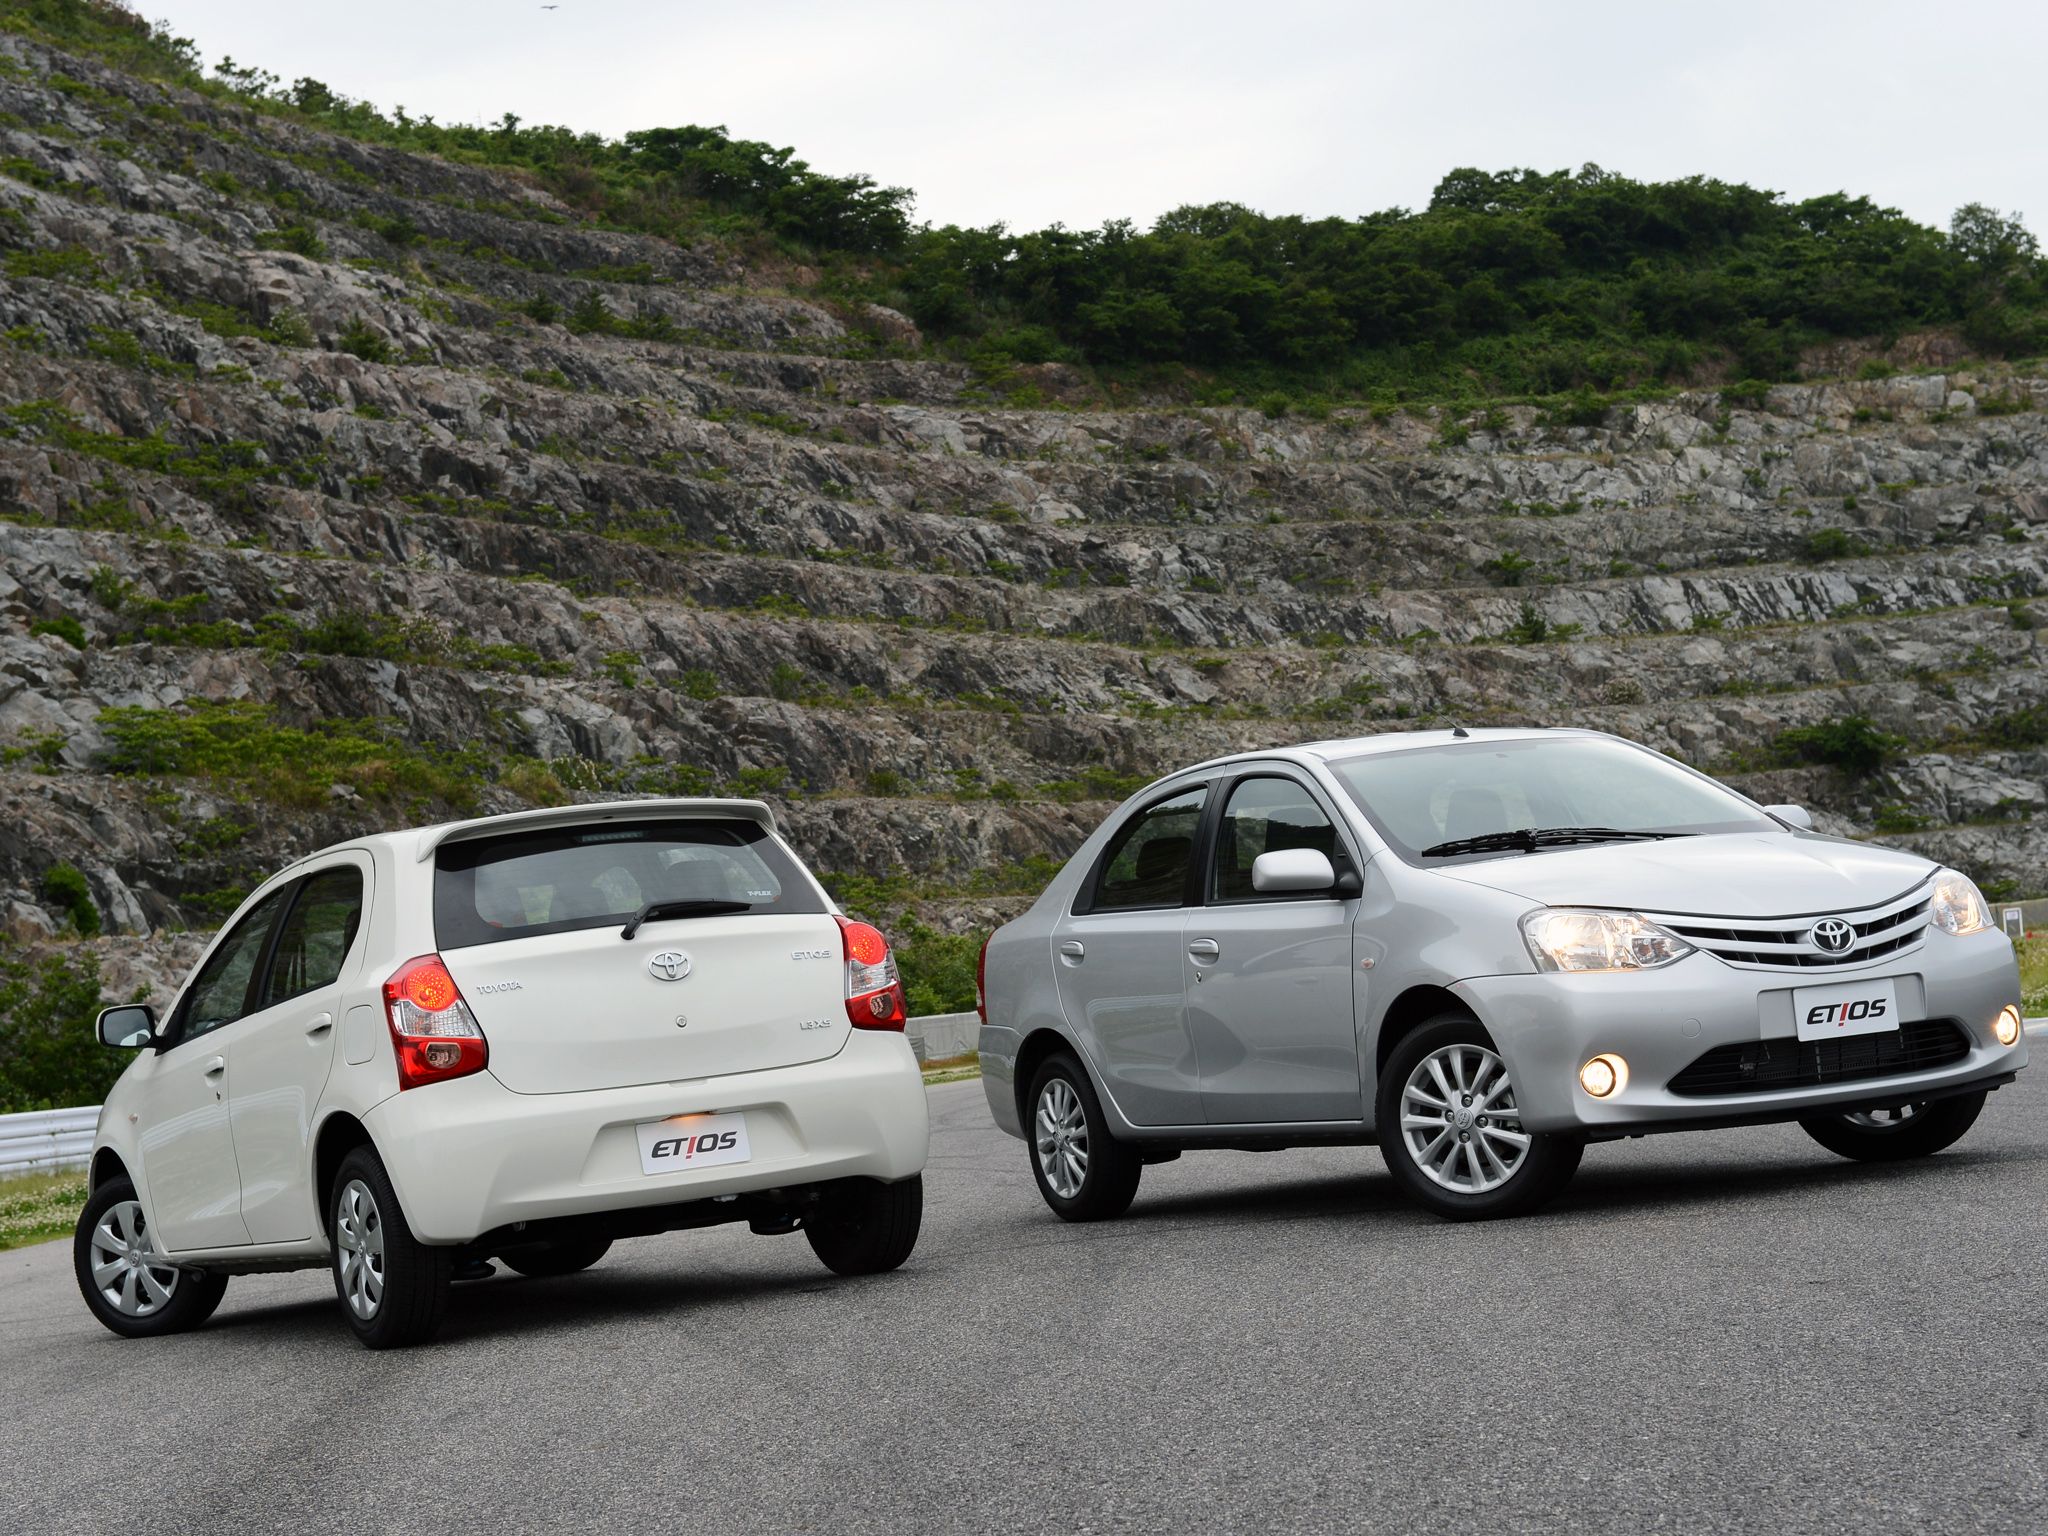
(46, 1139)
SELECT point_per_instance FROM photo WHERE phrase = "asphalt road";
(1723, 1332)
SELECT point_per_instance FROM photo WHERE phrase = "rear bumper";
(1548, 1024)
(470, 1156)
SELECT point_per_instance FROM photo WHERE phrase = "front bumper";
(469, 1156)
(1548, 1023)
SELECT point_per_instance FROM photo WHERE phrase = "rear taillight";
(874, 997)
(435, 1034)
(981, 980)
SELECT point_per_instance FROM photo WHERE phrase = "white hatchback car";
(517, 1038)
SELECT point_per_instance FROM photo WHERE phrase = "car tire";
(393, 1287)
(866, 1227)
(542, 1260)
(1892, 1135)
(1491, 1167)
(110, 1253)
(1084, 1173)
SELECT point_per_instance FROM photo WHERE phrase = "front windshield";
(1422, 797)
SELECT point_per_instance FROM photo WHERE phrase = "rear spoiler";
(579, 815)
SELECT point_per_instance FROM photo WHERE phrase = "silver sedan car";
(1481, 950)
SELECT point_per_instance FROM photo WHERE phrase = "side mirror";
(1292, 869)
(1791, 815)
(128, 1027)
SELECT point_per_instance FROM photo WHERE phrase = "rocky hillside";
(343, 487)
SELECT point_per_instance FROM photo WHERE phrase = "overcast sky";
(1058, 111)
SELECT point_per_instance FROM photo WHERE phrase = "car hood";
(1741, 874)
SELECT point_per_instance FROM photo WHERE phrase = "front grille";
(1778, 943)
(1765, 1066)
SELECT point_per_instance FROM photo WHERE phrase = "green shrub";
(65, 886)
(2019, 728)
(1830, 544)
(48, 1056)
(360, 340)
(300, 237)
(1853, 744)
(786, 681)
(937, 968)
(700, 683)
(64, 627)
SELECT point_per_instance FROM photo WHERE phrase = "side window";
(315, 936)
(1264, 816)
(1146, 864)
(220, 993)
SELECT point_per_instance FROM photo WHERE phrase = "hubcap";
(125, 1265)
(1062, 1138)
(359, 1247)
(1883, 1120)
(1459, 1123)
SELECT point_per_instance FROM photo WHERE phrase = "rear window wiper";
(1529, 839)
(687, 906)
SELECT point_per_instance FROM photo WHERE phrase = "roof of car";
(1386, 741)
(420, 842)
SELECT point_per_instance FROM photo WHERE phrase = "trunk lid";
(569, 1012)
(531, 923)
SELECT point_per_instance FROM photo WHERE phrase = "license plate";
(692, 1141)
(1852, 1008)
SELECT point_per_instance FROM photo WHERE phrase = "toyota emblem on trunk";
(669, 965)
(1833, 935)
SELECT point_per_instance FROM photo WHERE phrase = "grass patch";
(37, 1207)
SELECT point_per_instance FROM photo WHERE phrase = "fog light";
(2007, 1026)
(1604, 1076)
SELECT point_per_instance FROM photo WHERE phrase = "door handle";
(319, 1024)
(1073, 949)
(215, 1067)
(1205, 949)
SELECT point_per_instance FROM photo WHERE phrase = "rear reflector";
(874, 995)
(432, 1030)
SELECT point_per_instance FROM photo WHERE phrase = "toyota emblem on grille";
(669, 965)
(1832, 935)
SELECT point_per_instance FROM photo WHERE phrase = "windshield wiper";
(1529, 839)
(688, 906)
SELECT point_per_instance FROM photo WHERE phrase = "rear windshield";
(529, 883)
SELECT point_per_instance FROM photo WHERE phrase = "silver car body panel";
(1259, 1059)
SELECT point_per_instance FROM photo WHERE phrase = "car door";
(280, 1054)
(1269, 1002)
(1118, 961)
(188, 1148)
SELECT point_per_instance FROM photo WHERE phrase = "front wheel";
(1891, 1135)
(1084, 1173)
(393, 1287)
(1450, 1127)
(122, 1273)
(864, 1227)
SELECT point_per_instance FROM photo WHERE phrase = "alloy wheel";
(359, 1240)
(125, 1265)
(1459, 1122)
(1062, 1138)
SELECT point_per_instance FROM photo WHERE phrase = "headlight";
(1958, 904)
(1574, 939)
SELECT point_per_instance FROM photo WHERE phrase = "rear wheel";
(393, 1287)
(1451, 1130)
(1083, 1172)
(122, 1274)
(1891, 1135)
(543, 1259)
(864, 1227)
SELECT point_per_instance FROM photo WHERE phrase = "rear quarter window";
(525, 884)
